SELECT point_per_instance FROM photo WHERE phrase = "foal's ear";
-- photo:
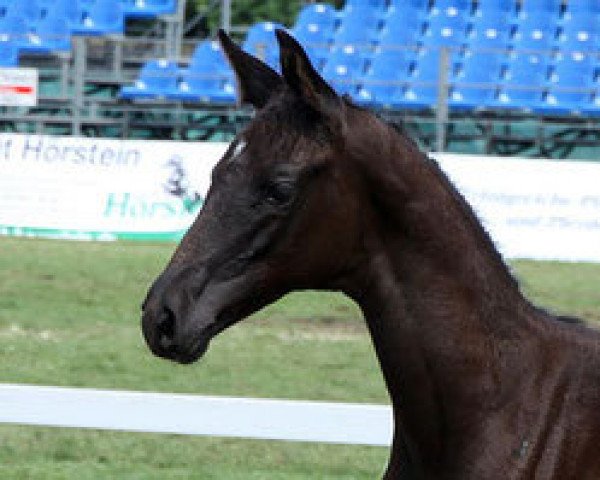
(256, 81)
(302, 78)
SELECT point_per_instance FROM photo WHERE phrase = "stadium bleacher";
(539, 55)
(46, 26)
(533, 55)
(207, 79)
(510, 60)
(148, 8)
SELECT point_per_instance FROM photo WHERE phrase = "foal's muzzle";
(173, 326)
(163, 336)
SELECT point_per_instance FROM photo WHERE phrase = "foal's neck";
(440, 303)
(426, 236)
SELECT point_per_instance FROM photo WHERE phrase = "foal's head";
(282, 212)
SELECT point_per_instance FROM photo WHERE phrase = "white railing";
(292, 420)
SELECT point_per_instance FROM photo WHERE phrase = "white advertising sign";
(538, 209)
(86, 188)
(18, 87)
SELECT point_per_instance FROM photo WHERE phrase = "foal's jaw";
(179, 326)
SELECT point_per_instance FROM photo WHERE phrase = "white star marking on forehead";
(238, 149)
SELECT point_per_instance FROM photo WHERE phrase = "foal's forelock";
(285, 131)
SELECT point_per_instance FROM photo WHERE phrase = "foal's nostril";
(166, 328)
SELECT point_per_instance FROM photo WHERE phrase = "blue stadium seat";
(382, 81)
(204, 87)
(584, 7)
(66, 9)
(101, 17)
(421, 89)
(314, 29)
(261, 42)
(208, 54)
(448, 7)
(13, 29)
(27, 9)
(157, 79)
(534, 7)
(580, 32)
(520, 89)
(9, 54)
(401, 26)
(366, 3)
(490, 9)
(419, 5)
(50, 34)
(148, 8)
(474, 85)
(571, 84)
(343, 68)
(536, 33)
(489, 33)
(358, 23)
(321, 14)
(207, 79)
(446, 27)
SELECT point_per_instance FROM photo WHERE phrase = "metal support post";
(441, 118)
(78, 81)
(226, 15)
(174, 32)
(65, 60)
(118, 58)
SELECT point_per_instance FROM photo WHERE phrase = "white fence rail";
(293, 420)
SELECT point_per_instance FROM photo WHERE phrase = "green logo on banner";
(183, 200)
(127, 205)
(178, 185)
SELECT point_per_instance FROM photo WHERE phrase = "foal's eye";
(278, 193)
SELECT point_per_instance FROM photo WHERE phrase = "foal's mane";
(467, 210)
(484, 240)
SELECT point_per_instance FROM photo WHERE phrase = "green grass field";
(69, 315)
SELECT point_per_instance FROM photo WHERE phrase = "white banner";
(538, 209)
(87, 188)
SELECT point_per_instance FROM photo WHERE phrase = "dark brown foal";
(318, 193)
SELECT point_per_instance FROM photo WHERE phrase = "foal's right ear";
(256, 81)
(302, 77)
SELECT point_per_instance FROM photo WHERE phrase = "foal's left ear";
(302, 78)
(256, 81)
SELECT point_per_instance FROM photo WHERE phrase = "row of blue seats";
(46, 26)
(481, 80)
(332, 38)
(382, 73)
(568, 84)
(33, 10)
(207, 79)
(478, 7)
(406, 26)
